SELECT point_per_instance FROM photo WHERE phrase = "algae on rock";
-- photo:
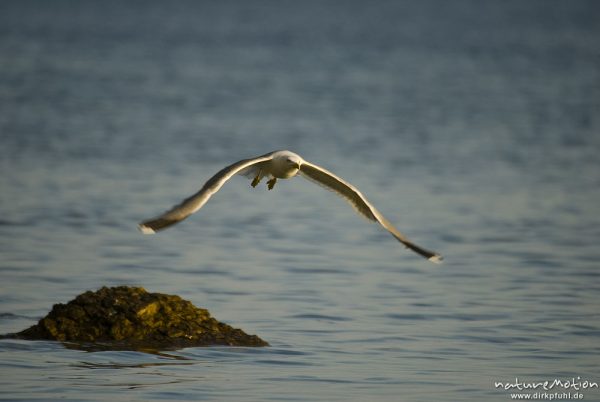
(131, 318)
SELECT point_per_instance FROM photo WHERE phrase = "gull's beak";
(296, 164)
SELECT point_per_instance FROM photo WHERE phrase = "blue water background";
(472, 125)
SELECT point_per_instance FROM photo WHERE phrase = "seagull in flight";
(280, 165)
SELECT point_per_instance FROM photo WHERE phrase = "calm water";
(473, 125)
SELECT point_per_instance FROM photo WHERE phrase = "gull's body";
(280, 165)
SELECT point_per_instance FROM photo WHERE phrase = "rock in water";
(131, 318)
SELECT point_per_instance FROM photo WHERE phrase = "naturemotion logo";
(555, 389)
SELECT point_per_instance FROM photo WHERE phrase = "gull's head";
(286, 164)
(293, 161)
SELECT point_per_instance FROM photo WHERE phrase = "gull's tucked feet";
(271, 183)
(256, 179)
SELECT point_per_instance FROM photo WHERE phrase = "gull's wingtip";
(145, 229)
(436, 259)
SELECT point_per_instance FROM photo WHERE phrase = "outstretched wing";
(360, 203)
(196, 201)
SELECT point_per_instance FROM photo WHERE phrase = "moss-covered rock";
(131, 318)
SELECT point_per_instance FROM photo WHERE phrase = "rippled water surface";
(471, 125)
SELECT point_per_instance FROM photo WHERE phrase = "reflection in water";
(115, 365)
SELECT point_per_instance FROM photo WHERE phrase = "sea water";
(471, 125)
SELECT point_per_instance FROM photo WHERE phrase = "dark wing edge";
(430, 255)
